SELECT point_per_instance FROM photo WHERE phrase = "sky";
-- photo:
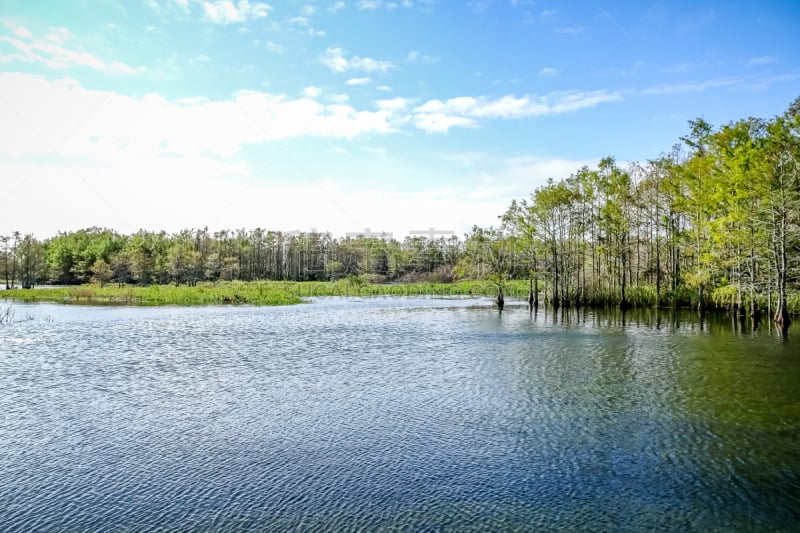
(356, 116)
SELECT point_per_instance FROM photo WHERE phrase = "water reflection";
(396, 414)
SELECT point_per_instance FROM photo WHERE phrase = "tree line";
(99, 255)
(713, 223)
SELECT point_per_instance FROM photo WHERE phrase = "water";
(394, 414)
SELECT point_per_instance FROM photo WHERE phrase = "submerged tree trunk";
(531, 297)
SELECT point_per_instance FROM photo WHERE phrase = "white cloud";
(51, 52)
(309, 10)
(312, 92)
(394, 104)
(358, 81)
(193, 100)
(275, 48)
(43, 116)
(59, 35)
(693, 87)
(300, 21)
(570, 30)
(523, 170)
(335, 60)
(681, 66)
(549, 72)
(228, 12)
(336, 7)
(414, 56)
(761, 61)
(172, 193)
(23, 32)
(112, 154)
(369, 5)
(440, 123)
(439, 116)
(385, 88)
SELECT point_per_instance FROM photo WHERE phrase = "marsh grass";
(253, 293)
(350, 288)
(257, 293)
(290, 292)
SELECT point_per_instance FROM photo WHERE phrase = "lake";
(415, 414)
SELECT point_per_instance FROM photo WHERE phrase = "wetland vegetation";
(714, 223)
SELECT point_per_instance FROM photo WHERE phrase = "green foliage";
(256, 293)
(715, 221)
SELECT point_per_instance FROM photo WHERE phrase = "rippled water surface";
(401, 414)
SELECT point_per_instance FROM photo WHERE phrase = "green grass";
(261, 293)
(287, 293)
(356, 287)
(252, 293)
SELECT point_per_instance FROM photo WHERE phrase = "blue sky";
(346, 115)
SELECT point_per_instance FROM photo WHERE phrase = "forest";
(713, 223)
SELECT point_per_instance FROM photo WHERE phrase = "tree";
(102, 272)
(783, 155)
(31, 261)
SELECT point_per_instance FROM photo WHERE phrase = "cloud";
(373, 5)
(414, 56)
(684, 66)
(693, 87)
(439, 116)
(51, 52)
(335, 60)
(21, 31)
(312, 92)
(358, 81)
(369, 5)
(440, 122)
(163, 193)
(228, 12)
(336, 7)
(394, 104)
(43, 116)
(761, 61)
(748, 82)
(549, 72)
(479, 6)
(570, 30)
(275, 48)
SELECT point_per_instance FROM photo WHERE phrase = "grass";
(261, 293)
(355, 287)
(252, 293)
(288, 292)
